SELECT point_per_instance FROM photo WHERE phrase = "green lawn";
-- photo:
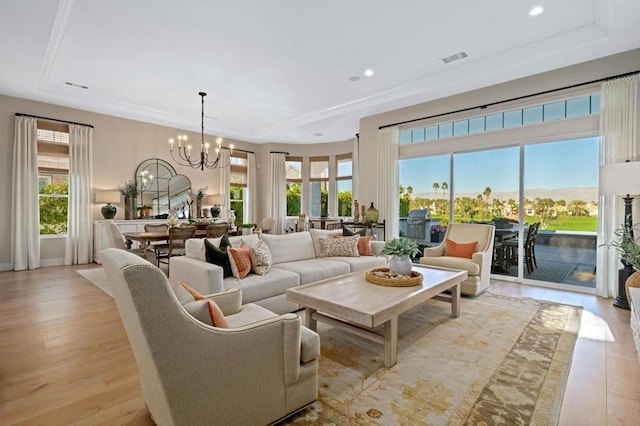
(582, 224)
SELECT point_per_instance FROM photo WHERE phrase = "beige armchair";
(259, 370)
(478, 267)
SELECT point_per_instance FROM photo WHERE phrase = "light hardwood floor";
(65, 359)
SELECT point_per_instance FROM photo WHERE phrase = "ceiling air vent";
(455, 57)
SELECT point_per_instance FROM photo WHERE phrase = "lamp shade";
(107, 196)
(620, 178)
(212, 200)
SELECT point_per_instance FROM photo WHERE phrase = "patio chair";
(511, 247)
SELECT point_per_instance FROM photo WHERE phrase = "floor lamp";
(622, 179)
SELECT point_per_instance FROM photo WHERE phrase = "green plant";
(247, 225)
(400, 247)
(627, 246)
(130, 188)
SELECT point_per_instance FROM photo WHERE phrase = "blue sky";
(566, 164)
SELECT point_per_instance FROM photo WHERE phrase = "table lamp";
(108, 211)
(214, 201)
(622, 179)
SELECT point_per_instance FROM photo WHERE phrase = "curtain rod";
(238, 149)
(279, 152)
(484, 106)
(19, 114)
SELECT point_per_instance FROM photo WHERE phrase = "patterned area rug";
(505, 360)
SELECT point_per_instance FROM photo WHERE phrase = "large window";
(238, 189)
(294, 186)
(344, 184)
(53, 177)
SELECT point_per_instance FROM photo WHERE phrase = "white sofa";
(295, 262)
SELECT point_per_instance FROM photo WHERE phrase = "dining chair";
(177, 238)
(511, 246)
(157, 227)
(116, 239)
(216, 230)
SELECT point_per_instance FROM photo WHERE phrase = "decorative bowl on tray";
(382, 276)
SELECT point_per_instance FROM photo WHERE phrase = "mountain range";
(567, 194)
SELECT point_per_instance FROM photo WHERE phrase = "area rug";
(98, 278)
(505, 360)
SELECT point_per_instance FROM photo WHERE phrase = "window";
(568, 108)
(238, 188)
(319, 179)
(53, 177)
(294, 186)
(344, 183)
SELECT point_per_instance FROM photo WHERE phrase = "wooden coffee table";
(354, 304)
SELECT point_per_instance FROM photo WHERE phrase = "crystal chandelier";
(203, 160)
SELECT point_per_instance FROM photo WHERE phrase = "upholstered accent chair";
(266, 225)
(116, 239)
(478, 266)
(260, 369)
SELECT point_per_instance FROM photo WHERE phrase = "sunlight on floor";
(594, 327)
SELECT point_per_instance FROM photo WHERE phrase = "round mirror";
(180, 195)
(152, 177)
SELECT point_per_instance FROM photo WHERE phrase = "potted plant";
(629, 250)
(437, 233)
(400, 251)
(130, 192)
(247, 228)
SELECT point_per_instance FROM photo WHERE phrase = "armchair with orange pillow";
(469, 247)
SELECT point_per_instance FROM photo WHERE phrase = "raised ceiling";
(282, 70)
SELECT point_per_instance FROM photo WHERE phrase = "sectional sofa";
(297, 258)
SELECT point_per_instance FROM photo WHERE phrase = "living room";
(120, 144)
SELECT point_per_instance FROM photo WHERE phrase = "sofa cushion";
(452, 248)
(364, 245)
(316, 234)
(461, 263)
(314, 269)
(258, 287)
(343, 246)
(362, 263)
(290, 247)
(261, 258)
(215, 314)
(218, 256)
(248, 315)
(240, 260)
(195, 248)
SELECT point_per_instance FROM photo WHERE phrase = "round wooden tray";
(416, 279)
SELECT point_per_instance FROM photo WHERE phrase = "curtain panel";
(252, 185)
(79, 246)
(225, 182)
(620, 141)
(278, 191)
(25, 207)
(388, 179)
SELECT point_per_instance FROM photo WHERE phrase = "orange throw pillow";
(451, 248)
(217, 317)
(240, 259)
(364, 246)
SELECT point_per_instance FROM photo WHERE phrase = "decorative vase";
(199, 206)
(356, 211)
(172, 220)
(128, 207)
(215, 211)
(371, 215)
(400, 264)
(437, 237)
(363, 213)
(632, 281)
(109, 211)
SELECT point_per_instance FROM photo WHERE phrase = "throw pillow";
(364, 245)
(349, 233)
(451, 248)
(218, 255)
(217, 317)
(261, 259)
(345, 246)
(240, 260)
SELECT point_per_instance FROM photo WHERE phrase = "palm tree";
(487, 193)
(436, 186)
(409, 190)
(444, 187)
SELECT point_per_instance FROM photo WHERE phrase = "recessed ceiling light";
(536, 11)
(354, 78)
(368, 72)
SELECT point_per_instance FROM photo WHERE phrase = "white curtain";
(620, 141)
(25, 211)
(388, 180)
(252, 186)
(355, 176)
(79, 247)
(278, 194)
(225, 181)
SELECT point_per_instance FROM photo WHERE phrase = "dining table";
(145, 238)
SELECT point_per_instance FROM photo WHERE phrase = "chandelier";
(203, 160)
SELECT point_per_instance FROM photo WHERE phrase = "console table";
(375, 227)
